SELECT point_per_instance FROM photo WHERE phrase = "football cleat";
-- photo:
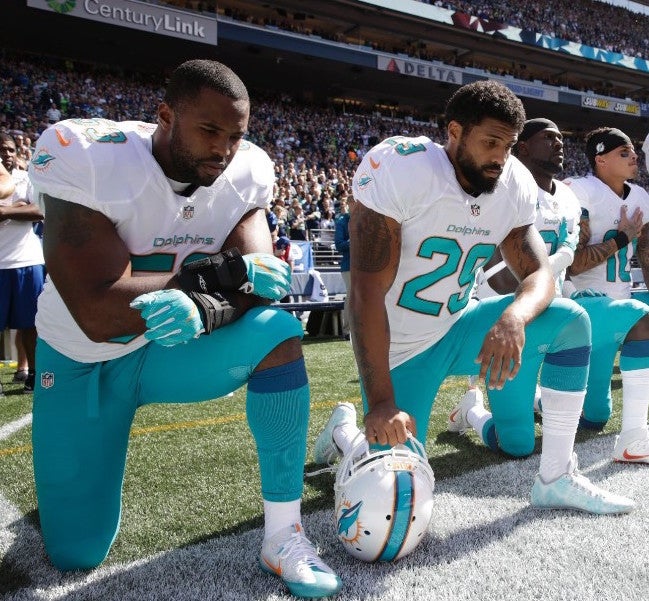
(325, 450)
(574, 491)
(384, 500)
(457, 419)
(30, 382)
(632, 446)
(20, 375)
(291, 556)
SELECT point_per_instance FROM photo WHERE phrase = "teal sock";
(277, 408)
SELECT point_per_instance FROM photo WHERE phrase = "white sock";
(346, 436)
(561, 411)
(478, 417)
(635, 399)
(279, 515)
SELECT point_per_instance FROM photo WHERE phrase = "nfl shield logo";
(475, 210)
(47, 379)
(188, 212)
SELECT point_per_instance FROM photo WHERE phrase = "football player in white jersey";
(426, 218)
(615, 216)
(159, 254)
(510, 427)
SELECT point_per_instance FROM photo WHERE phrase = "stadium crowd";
(315, 149)
(591, 22)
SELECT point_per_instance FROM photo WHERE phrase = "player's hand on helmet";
(171, 316)
(586, 293)
(502, 351)
(385, 424)
(566, 238)
(270, 276)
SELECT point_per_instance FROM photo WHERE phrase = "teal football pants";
(83, 412)
(561, 335)
(612, 320)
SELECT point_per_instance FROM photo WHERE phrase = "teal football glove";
(566, 238)
(270, 277)
(171, 316)
(586, 293)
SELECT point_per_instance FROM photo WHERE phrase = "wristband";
(621, 239)
(222, 272)
(215, 310)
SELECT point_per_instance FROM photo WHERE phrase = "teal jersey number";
(551, 239)
(616, 263)
(477, 256)
(404, 146)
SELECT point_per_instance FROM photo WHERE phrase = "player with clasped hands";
(160, 275)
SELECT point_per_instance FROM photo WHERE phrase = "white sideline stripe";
(8, 429)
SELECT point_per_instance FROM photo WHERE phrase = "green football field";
(199, 459)
(191, 480)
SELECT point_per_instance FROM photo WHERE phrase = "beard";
(186, 165)
(474, 173)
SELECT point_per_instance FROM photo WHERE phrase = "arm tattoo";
(374, 244)
(587, 255)
(642, 250)
(523, 260)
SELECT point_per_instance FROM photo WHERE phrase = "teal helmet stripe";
(403, 508)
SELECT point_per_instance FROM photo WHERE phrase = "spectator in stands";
(311, 216)
(23, 151)
(53, 114)
(21, 260)
(297, 221)
(328, 219)
(271, 219)
(282, 246)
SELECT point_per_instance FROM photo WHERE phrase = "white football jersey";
(108, 167)
(551, 208)
(612, 277)
(19, 245)
(446, 234)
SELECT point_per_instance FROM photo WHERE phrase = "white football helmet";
(384, 500)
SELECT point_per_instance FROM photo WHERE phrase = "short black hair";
(483, 99)
(5, 137)
(189, 78)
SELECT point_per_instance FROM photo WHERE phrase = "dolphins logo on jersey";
(364, 180)
(42, 159)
